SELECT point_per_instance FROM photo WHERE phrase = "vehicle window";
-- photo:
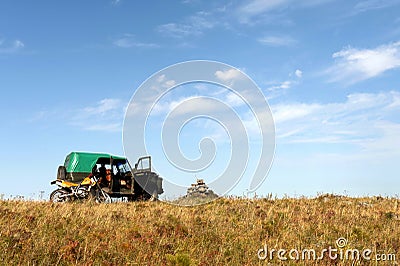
(144, 164)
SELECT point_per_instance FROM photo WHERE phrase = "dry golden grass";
(224, 232)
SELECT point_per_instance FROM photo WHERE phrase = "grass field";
(224, 232)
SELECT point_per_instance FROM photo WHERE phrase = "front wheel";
(154, 196)
(102, 197)
(59, 195)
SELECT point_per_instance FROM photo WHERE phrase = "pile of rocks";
(199, 189)
(198, 193)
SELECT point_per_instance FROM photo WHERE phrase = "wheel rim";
(57, 197)
(103, 197)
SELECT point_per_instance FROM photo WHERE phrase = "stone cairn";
(199, 189)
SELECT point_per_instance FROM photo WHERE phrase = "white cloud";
(278, 89)
(353, 65)
(10, 47)
(285, 85)
(115, 2)
(228, 75)
(164, 82)
(277, 41)
(169, 83)
(129, 40)
(161, 78)
(298, 73)
(18, 44)
(396, 101)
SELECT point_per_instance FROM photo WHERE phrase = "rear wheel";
(102, 197)
(59, 195)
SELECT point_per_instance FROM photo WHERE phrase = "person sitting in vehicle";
(103, 175)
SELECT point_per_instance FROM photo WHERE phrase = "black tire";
(102, 197)
(154, 196)
(59, 195)
(61, 172)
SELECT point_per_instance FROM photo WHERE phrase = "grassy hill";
(224, 232)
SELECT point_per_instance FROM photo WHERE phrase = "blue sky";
(329, 69)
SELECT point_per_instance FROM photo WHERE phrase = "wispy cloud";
(360, 120)
(281, 86)
(250, 10)
(105, 115)
(190, 2)
(353, 65)
(116, 2)
(355, 104)
(102, 107)
(162, 82)
(257, 7)
(8, 47)
(277, 89)
(129, 40)
(368, 5)
(193, 25)
(277, 41)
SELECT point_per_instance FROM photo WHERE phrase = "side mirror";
(136, 165)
